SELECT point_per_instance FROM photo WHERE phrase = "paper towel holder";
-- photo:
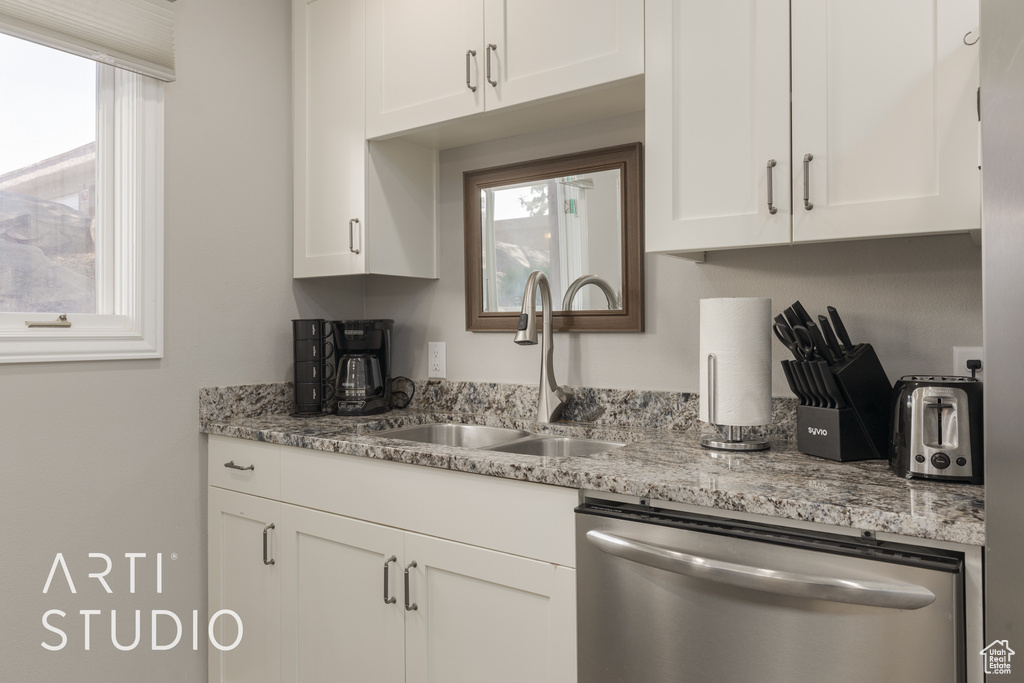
(732, 438)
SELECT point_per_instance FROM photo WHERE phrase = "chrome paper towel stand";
(731, 439)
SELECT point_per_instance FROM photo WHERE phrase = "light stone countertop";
(661, 464)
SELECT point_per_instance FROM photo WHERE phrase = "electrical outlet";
(962, 354)
(437, 365)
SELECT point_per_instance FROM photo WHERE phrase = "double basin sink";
(499, 439)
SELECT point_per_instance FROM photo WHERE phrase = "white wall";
(106, 457)
(913, 298)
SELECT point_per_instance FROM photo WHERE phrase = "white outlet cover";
(437, 364)
(962, 354)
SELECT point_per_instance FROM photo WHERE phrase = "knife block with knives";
(843, 389)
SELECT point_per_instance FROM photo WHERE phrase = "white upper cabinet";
(330, 163)
(419, 60)
(883, 108)
(428, 63)
(359, 207)
(717, 113)
(884, 99)
(540, 48)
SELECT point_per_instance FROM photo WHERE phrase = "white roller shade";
(137, 35)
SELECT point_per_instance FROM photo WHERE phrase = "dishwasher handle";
(870, 593)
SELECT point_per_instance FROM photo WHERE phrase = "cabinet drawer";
(517, 517)
(264, 459)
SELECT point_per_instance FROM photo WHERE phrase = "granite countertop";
(660, 464)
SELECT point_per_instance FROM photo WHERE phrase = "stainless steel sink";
(452, 434)
(554, 446)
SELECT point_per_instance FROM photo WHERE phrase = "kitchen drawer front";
(517, 517)
(264, 479)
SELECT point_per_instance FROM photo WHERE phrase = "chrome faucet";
(551, 398)
(609, 294)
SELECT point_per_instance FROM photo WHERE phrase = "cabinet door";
(240, 581)
(717, 111)
(416, 63)
(336, 625)
(330, 146)
(884, 99)
(545, 48)
(482, 615)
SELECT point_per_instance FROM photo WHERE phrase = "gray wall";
(913, 298)
(105, 457)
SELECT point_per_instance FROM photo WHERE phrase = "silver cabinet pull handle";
(233, 466)
(388, 600)
(352, 226)
(469, 53)
(413, 607)
(807, 181)
(870, 593)
(265, 530)
(771, 193)
(490, 47)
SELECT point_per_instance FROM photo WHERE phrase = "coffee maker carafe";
(363, 377)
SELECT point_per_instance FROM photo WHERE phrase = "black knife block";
(860, 431)
(832, 433)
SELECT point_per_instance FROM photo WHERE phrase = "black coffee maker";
(363, 366)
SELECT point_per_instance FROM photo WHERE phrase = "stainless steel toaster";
(937, 428)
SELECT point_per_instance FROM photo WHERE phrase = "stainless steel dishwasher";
(672, 597)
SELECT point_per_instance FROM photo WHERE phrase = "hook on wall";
(975, 40)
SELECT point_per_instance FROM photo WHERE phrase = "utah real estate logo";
(997, 657)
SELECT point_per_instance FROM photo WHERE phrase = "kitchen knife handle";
(815, 369)
(771, 194)
(792, 318)
(799, 309)
(816, 399)
(832, 387)
(807, 181)
(830, 337)
(819, 342)
(805, 395)
(469, 53)
(792, 381)
(840, 329)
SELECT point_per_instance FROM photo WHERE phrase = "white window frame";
(129, 237)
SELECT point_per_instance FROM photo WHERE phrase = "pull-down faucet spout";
(551, 398)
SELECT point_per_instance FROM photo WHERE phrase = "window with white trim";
(81, 204)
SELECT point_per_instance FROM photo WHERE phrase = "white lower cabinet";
(333, 598)
(487, 616)
(241, 580)
(336, 624)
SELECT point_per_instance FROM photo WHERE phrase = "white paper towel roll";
(738, 333)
